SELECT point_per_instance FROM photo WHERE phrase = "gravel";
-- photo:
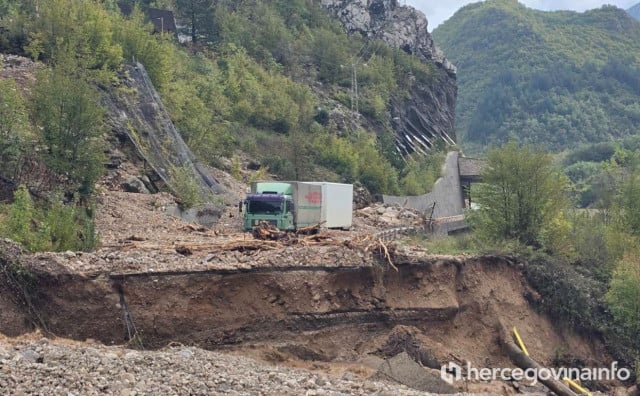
(46, 367)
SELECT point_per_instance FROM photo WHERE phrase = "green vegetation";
(624, 293)
(552, 79)
(67, 113)
(243, 84)
(584, 262)
(187, 189)
(52, 227)
(15, 129)
(522, 197)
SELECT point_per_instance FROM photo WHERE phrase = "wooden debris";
(184, 250)
(312, 229)
(193, 228)
(265, 236)
(135, 238)
(266, 231)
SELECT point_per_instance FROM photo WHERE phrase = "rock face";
(427, 115)
(403, 369)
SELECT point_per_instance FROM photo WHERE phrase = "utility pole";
(161, 24)
(354, 101)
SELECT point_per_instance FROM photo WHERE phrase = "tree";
(75, 31)
(522, 195)
(199, 14)
(14, 128)
(626, 206)
(71, 122)
(21, 216)
(624, 292)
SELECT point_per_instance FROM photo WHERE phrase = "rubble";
(138, 234)
(65, 368)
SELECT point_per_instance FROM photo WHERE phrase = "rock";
(320, 381)
(633, 391)
(31, 356)
(370, 387)
(134, 185)
(348, 376)
(186, 354)
(115, 158)
(404, 370)
(151, 187)
(427, 113)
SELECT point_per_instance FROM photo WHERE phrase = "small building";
(163, 21)
(470, 170)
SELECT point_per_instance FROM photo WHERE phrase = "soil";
(334, 308)
(331, 309)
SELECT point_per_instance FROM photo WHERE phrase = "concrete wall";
(446, 193)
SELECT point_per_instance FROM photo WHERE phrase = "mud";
(316, 314)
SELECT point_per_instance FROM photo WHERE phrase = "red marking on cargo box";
(314, 198)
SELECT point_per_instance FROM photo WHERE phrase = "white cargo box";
(337, 205)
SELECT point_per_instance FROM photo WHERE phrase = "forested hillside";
(280, 83)
(554, 79)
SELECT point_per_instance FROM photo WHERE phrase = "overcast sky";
(438, 11)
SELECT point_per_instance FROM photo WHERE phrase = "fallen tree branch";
(310, 229)
(386, 254)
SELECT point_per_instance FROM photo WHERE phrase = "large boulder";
(403, 369)
(134, 184)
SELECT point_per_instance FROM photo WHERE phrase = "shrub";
(15, 128)
(186, 187)
(623, 296)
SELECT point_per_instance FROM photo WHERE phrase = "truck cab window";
(266, 207)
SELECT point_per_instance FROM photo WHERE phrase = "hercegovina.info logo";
(453, 372)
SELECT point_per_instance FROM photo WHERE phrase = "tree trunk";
(525, 362)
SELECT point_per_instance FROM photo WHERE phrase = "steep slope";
(426, 114)
(635, 11)
(437, 308)
(549, 78)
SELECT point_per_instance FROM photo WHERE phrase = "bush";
(420, 173)
(15, 129)
(19, 225)
(186, 187)
(54, 227)
(623, 296)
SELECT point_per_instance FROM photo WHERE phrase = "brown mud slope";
(451, 306)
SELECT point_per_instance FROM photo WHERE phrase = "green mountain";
(635, 11)
(554, 79)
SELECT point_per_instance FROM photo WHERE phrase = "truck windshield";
(265, 207)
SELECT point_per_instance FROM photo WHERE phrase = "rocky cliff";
(427, 114)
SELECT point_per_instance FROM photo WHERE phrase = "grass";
(463, 243)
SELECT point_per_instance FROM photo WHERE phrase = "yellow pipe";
(577, 387)
(524, 348)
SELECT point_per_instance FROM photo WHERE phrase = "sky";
(438, 11)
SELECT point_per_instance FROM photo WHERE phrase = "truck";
(293, 205)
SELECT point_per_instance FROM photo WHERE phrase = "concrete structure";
(450, 194)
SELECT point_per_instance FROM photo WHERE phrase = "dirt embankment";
(452, 304)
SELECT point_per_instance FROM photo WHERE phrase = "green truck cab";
(271, 202)
(294, 205)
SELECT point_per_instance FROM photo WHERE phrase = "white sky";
(438, 11)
